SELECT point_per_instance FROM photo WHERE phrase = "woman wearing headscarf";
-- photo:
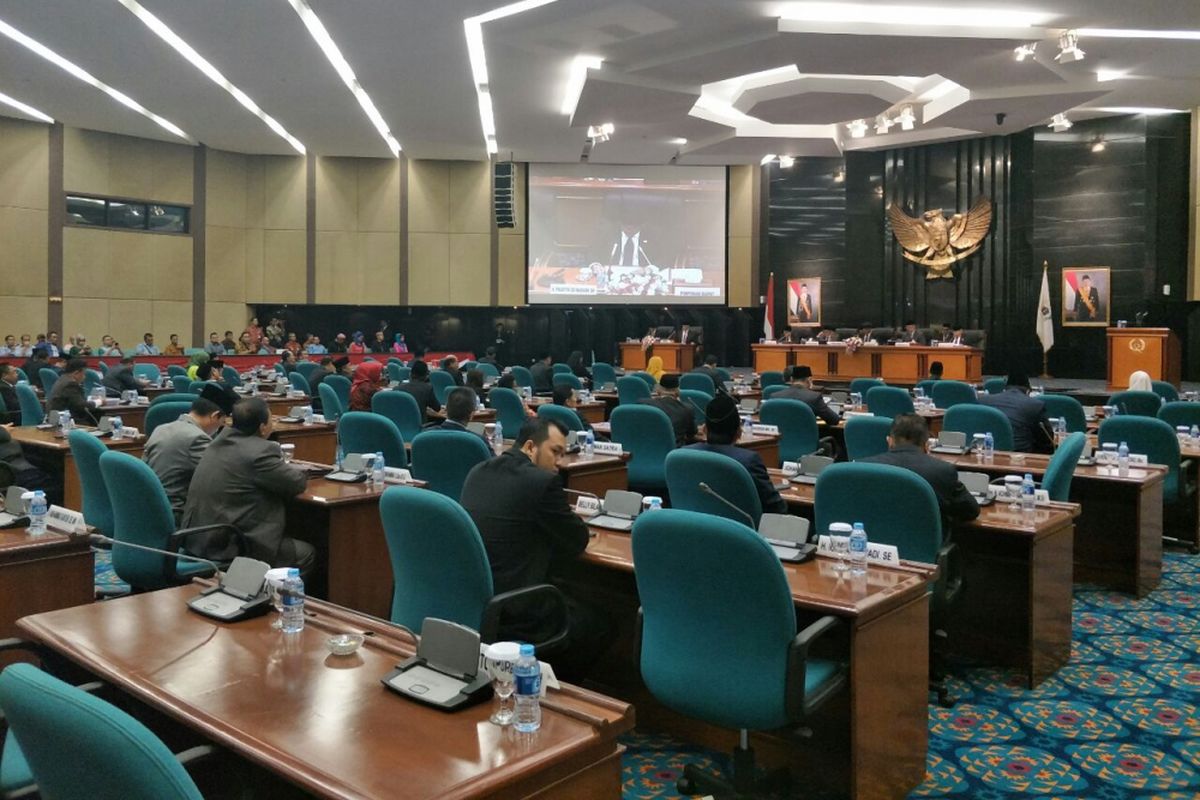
(399, 345)
(1140, 382)
(195, 362)
(655, 367)
(368, 379)
(358, 345)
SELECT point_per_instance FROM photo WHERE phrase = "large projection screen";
(626, 234)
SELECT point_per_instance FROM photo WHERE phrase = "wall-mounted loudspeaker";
(504, 177)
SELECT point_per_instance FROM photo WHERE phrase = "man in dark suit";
(1030, 424)
(690, 334)
(418, 386)
(121, 378)
(946, 334)
(528, 528)
(906, 448)
(67, 394)
(489, 357)
(683, 418)
(801, 389)
(543, 374)
(175, 448)
(243, 481)
(449, 365)
(912, 334)
(28, 476)
(710, 369)
(723, 427)
(10, 404)
(460, 405)
(1088, 308)
(33, 366)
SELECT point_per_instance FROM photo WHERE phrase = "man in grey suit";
(174, 449)
(801, 389)
(243, 481)
(1030, 423)
(67, 394)
(121, 378)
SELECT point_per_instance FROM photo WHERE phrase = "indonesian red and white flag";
(769, 316)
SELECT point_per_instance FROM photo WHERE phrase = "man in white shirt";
(52, 343)
(146, 348)
(10, 345)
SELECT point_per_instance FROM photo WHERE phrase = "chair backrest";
(279, 368)
(91, 379)
(694, 638)
(443, 459)
(1180, 413)
(467, 366)
(888, 401)
(770, 391)
(162, 414)
(97, 508)
(947, 394)
(698, 402)
(141, 515)
(797, 423)
(443, 383)
(510, 410)
(1063, 406)
(21, 376)
(395, 371)
(567, 379)
(863, 385)
(79, 746)
(103, 367)
(687, 468)
(897, 507)
(646, 432)
(646, 378)
(299, 382)
(1141, 404)
(867, 436)
(175, 397)
(724, 374)
(331, 405)
(770, 378)
(48, 377)
(439, 566)
(175, 369)
(978, 418)
(564, 416)
(603, 373)
(148, 371)
(488, 369)
(1153, 437)
(307, 368)
(927, 385)
(631, 390)
(401, 408)
(522, 376)
(699, 382)
(231, 375)
(559, 368)
(1166, 391)
(181, 383)
(32, 412)
(196, 387)
(367, 432)
(995, 385)
(1057, 479)
(341, 385)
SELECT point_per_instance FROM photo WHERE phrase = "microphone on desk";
(704, 487)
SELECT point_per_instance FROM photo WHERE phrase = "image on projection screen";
(613, 234)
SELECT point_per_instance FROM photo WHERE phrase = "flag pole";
(1045, 298)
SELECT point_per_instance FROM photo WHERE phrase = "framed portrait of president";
(1086, 292)
(804, 302)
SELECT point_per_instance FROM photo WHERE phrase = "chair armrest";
(949, 579)
(798, 703)
(180, 536)
(489, 628)
(194, 754)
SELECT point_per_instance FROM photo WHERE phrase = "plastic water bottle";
(116, 427)
(1028, 497)
(589, 443)
(528, 677)
(1060, 429)
(989, 446)
(747, 427)
(858, 550)
(498, 435)
(655, 504)
(1123, 460)
(308, 415)
(1195, 434)
(378, 466)
(38, 510)
(292, 594)
(64, 422)
(338, 455)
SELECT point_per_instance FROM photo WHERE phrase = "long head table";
(895, 364)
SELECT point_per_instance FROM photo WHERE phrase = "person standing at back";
(906, 448)
(1030, 424)
(801, 388)
(175, 448)
(683, 417)
(723, 428)
(67, 394)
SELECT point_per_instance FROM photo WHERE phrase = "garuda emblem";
(936, 242)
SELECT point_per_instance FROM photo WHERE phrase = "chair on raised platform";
(977, 418)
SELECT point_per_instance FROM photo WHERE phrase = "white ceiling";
(411, 57)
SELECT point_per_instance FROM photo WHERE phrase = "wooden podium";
(675, 357)
(1153, 350)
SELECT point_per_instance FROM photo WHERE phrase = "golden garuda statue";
(937, 242)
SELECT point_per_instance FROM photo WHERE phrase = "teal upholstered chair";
(995, 385)
(79, 747)
(698, 401)
(401, 408)
(97, 508)
(687, 469)
(489, 370)
(175, 369)
(631, 390)
(567, 417)
(699, 382)
(91, 379)
(559, 368)
(443, 459)
(1064, 406)
(1165, 390)
(866, 436)
(142, 515)
(864, 385)
(21, 376)
(341, 385)
(467, 366)
(646, 432)
(646, 378)
(1180, 413)
(307, 368)
(770, 391)
(1057, 479)
(298, 382)
(176, 397)
(367, 432)
(978, 418)
(181, 383)
(888, 401)
(443, 383)
(730, 658)
(522, 376)
(797, 423)
(1140, 404)
(196, 387)
(331, 405)
(603, 374)
(440, 568)
(947, 394)
(510, 410)
(770, 378)
(395, 371)
(148, 371)
(231, 376)
(32, 412)
(103, 367)
(725, 375)
(927, 385)
(903, 510)
(1157, 440)
(163, 413)
(280, 369)
(48, 378)
(566, 379)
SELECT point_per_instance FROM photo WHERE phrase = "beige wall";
(741, 235)
(24, 189)
(449, 232)
(358, 230)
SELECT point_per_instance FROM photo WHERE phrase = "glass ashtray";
(344, 644)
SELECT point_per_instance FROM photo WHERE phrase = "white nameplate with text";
(759, 429)
(65, 520)
(608, 449)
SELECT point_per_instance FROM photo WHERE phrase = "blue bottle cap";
(526, 649)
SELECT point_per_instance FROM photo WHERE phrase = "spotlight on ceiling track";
(786, 162)
(767, 159)
(1068, 48)
(883, 124)
(839, 176)
(907, 118)
(1060, 123)
(600, 133)
(1024, 51)
(858, 128)
(1098, 144)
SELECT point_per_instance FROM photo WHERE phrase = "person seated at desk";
(195, 363)
(26, 475)
(787, 337)
(380, 344)
(654, 366)
(489, 357)
(801, 388)
(339, 344)
(528, 528)
(9, 347)
(945, 333)
(211, 370)
(79, 347)
(460, 406)
(449, 365)
(147, 347)
(368, 379)
(906, 448)
(292, 345)
(10, 404)
(214, 346)
(826, 335)
(175, 448)
(565, 396)
(315, 348)
(507, 381)
(474, 380)
(418, 386)
(543, 374)
(243, 481)
(67, 394)
(578, 368)
(683, 417)
(173, 347)
(317, 377)
(912, 334)
(121, 379)
(958, 337)
(1030, 424)
(1140, 381)
(936, 370)
(709, 368)
(245, 345)
(34, 365)
(288, 360)
(723, 428)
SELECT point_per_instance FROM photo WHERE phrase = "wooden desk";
(868, 745)
(676, 357)
(132, 415)
(52, 455)
(590, 412)
(1118, 534)
(316, 442)
(633, 357)
(907, 364)
(771, 357)
(1153, 350)
(324, 724)
(41, 573)
(766, 446)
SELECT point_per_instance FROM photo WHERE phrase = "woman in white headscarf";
(1140, 382)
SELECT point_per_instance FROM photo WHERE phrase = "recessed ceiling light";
(1068, 48)
(923, 16)
(1105, 75)
(1024, 51)
(199, 62)
(1133, 33)
(88, 78)
(601, 133)
(857, 128)
(1098, 144)
(839, 176)
(1060, 123)
(575, 81)
(321, 36)
(767, 159)
(1147, 110)
(786, 162)
(678, 141)
(27, 110)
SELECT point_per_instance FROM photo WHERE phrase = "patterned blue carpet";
(1120, 722)
(106, 581)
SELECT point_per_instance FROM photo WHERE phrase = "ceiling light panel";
(184, 49)
(25, 109)
(321, 36)
(907, 20)
(82, 74)
(576, 80)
